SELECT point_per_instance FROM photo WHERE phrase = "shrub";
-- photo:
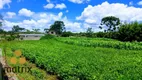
(100, 34)
(10, 38)
(130, 32)
(66, 34)
(37, 73)
(48, 36)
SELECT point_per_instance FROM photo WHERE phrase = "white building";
(31, 36)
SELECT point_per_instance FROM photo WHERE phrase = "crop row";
(71, 62)
(106, 43)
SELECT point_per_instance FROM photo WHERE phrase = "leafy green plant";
(79, 60)
(37, 73)
(48, 36)
(107, 43)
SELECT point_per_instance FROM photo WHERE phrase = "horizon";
(35, 14)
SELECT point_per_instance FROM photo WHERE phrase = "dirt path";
(2, 66)
(14, 76)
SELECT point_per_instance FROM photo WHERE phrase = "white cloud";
(44, 20)
(94, 14)
(48, 0)
(29, 22)
(79, 1)
(43, 15)
(10, 15)
(131, 3)
(90, 21)
(67, 11)
(90, 17)
(49, 6)
(140, 3)
(4, 2)
(8, 25)
(25, 12)
(60, 6)
(60, 15)
(72, 26)
(20, 0)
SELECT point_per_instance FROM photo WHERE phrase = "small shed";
(52, 32)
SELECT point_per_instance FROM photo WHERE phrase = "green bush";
(125, 32)
(73, 62)
(130, 32)
(67, 34)
(10, 38)
(102, 42)
(48, 36)
(37, 73)
(99, 34)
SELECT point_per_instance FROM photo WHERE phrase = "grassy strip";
(35, 74)
(105, 43)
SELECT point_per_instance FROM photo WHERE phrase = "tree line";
(112, 26)
(121, 31)
(114, 29)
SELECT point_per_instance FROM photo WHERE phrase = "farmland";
(84, 58)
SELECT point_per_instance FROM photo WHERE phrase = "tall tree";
(89, 32)
(130, 32)
(58, 27)
(28, 31)
(16, 28)
(1, 30)
(36, 30)
(111, 22)
(46, 30)
(1, 20)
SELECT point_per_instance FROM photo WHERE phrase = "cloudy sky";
(77, 15)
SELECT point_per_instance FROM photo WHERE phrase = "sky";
(78, 15)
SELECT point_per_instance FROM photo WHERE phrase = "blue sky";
(77, 15)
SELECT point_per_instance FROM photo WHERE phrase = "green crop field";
(84, 58)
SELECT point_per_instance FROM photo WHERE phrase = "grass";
(36, 73)
(101, 42)
(73, 62)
